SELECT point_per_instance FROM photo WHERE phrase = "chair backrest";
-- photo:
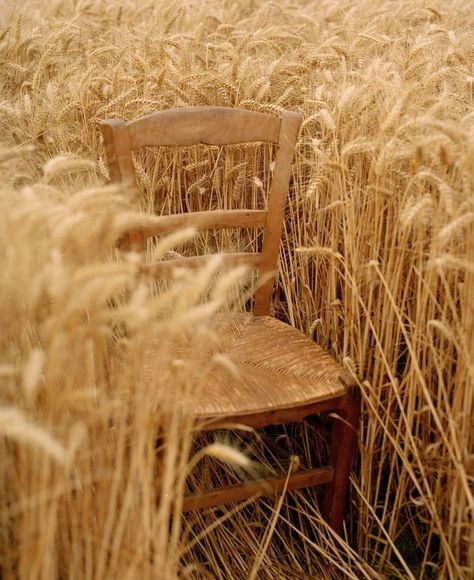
(213, 126)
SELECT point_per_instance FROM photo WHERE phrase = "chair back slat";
(202, 125)
(203, 220)
(211, 126)
(167, 268)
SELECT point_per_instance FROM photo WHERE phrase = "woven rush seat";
(268, 365)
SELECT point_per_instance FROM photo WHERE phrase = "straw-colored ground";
(377, 263)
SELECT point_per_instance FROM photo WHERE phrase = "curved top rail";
(203, 125)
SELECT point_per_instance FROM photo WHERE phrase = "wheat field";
(376, 264)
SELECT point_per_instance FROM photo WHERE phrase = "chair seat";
(267, 365)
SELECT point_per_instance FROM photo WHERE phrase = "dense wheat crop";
(377, 264)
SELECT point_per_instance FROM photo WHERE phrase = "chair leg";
(159, 466)
(341, 455)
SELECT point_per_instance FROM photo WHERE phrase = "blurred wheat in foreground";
(377, 264)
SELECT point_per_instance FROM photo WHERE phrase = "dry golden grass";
(377, 263)
(79, 424)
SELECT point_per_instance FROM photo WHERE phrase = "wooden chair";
(284, 376)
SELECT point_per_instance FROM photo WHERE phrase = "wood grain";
(118, 149)
(167, 268)
(203, 125)
(341, 456)
(203, 220)
(276, 211)
(261, 419)
(268, 487)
